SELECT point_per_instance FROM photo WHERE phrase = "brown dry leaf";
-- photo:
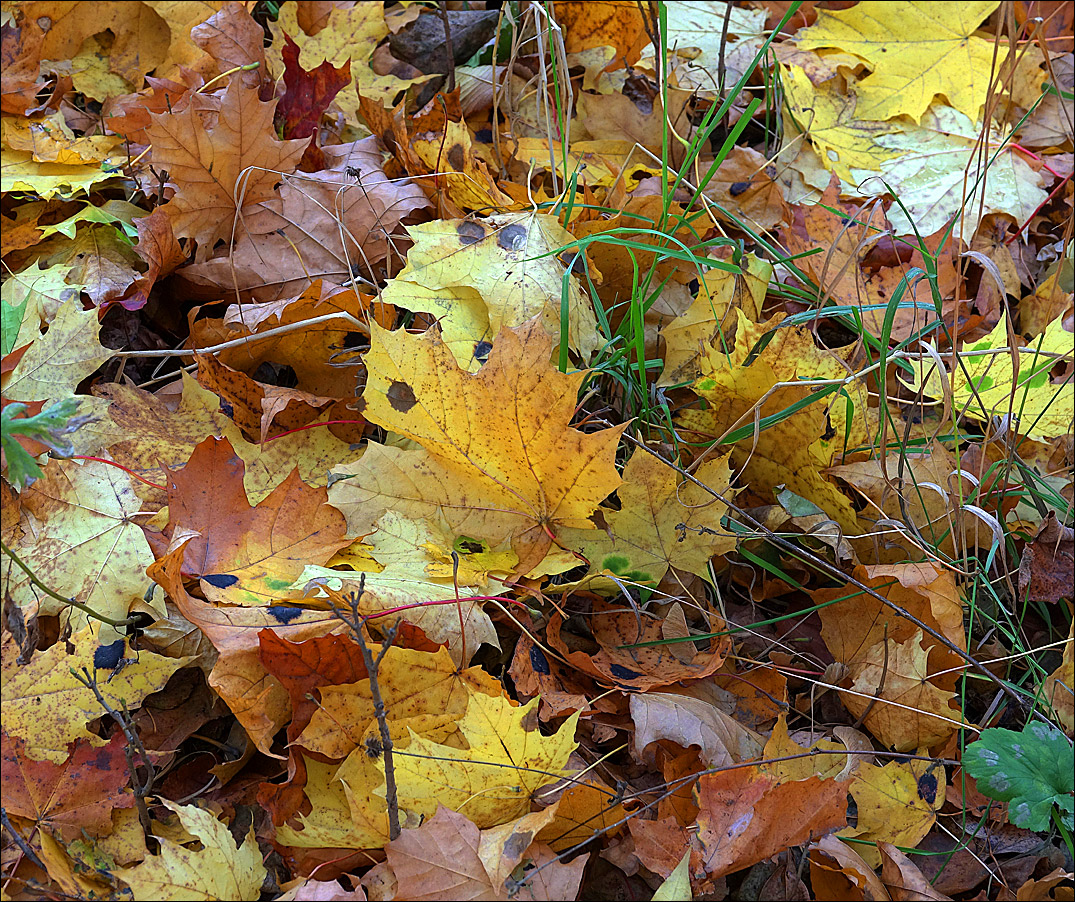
(642, 668)
(891, 686)
(233, 39)
(1058, 686)
(905, 882)
(837, 871)
(319, 225)
(505, 481)
(1047, 563)
(603, 23)
(746, 816)
(449, 858)
(691, 721)
(206, 147)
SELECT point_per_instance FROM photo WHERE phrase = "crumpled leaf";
(449, 858)
(219, 870)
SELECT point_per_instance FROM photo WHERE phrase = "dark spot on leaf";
(852, 811)
(107, 657)
(359, 406)
(470, 232)
(221, 580)
(737, 188)
(388, 139)
(623, 673)
(227, 409)
(927, 787)
(517, 844)
(539, 662)
(283, 613)
(512, 238)
(481, 350)
(573, 261)
(401, 397)
(456, 158)
(103, 761)
(692, 286)
(484, 136)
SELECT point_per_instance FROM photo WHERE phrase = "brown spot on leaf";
(573, 261)
(401, 397)
(470, 232)
(512, 238)
(388, 139)
(456, 158)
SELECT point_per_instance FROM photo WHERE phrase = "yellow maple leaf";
(898, 673)
(478, 277)
(794, 450)
(54, 365)
(984, 383)
(397, 574)
(219, 870)
(916, 50)
(47, 684)
(493, 780)
(663, 521)
(414, 684)
(896, 803)
(498, 461)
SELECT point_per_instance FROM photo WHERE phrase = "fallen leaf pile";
(537, 451)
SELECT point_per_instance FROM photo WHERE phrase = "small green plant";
(1032, 771)
(47, 427)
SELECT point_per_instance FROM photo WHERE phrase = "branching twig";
(356, 624)
(140, 788)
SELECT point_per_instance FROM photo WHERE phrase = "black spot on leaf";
(221, 580)
(573, 261)
(623, 673)
(107, 657)
(539, 662)
(469, 232)
(737, 188)
(283, 613)
(401, 396)
(481, 350)
(927, 787)
(512, 238)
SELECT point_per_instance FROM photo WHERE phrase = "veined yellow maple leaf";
(499, 460)
(479, 277)
(916, 50)
(493, 779)
(219, 870)
(984, 383)
(794, 450)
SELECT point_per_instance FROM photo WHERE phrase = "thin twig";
(140, 788)
(357, 627)
(27, 849)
